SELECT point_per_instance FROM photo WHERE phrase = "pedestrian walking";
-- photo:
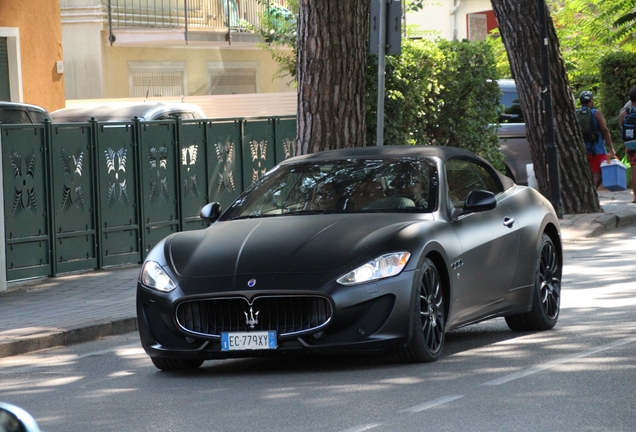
(627, 123)
(595, 135)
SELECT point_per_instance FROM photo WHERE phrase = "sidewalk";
(75, 308)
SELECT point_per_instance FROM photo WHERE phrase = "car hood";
(292, 244)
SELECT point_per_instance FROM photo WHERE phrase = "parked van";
(19, 113)
(512, 134)
(126, 111)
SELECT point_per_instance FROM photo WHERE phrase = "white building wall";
(447, 17)
(81, 38)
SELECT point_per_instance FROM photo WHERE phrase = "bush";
(618, 77)
(438, 93)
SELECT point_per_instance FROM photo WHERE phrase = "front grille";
(284, 314)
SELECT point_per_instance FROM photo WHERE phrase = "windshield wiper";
(310, 212)
(251, 216)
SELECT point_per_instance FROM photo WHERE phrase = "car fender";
(445, 251)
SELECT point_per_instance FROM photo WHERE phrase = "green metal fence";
(83, 196)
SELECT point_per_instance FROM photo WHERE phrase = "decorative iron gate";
(81, 196)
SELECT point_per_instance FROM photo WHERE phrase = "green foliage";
(501, 56)
(441, 92)
(618, 72)
(416, 5)
(588, 30)
(278, 28)
(622, 17)
(438, 93)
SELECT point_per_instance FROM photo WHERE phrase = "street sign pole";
(385, 37)
(379, 138)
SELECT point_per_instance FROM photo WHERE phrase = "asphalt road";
(577, 377)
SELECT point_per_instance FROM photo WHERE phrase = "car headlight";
(382, 267)
(153, 276)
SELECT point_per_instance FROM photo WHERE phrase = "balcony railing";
(207, 15)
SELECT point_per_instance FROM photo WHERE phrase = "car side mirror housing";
(477, 201)
(14, 418)
(480, 200)
(210, 212)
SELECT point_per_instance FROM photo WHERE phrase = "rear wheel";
(174, 364)
(429, 319)
(546, 302)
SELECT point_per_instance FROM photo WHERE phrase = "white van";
(512, 133)
(126, 111)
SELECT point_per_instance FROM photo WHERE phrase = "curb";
(51, 339)
(610, 221)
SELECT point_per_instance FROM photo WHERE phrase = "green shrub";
(618, 77)
(438, 93)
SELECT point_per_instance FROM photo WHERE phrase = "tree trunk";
(332, 52)
(519, 28)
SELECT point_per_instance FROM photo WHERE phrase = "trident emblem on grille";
(251, 319)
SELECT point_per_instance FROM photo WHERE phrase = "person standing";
(596, 152)
(630, 146)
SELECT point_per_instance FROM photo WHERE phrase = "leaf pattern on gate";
(259, 154)
(73, 192)
(116, 171)
(24, 183)
(189, 161)
(225, 155)
(158, 158)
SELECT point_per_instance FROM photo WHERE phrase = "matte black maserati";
(376, 249)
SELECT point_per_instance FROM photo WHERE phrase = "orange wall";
(40, 29)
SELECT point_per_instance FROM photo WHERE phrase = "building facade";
(31, 58)
(173, 48)
(454, 19)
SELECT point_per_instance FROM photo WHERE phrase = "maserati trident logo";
(251, 319)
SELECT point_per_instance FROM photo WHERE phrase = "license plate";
(248, 341)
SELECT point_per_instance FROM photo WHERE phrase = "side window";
(184, 115)
(15, 116)
(464, 177)
(511, 108)
(37, 116)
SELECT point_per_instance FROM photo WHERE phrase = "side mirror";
(13, 418)
(210, 212)
(477, 201)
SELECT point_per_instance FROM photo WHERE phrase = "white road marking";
(363, 428)
(557, 362)
(432, 404)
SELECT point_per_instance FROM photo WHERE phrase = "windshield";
(354, 185)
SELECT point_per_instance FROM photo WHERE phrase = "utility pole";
(550, 145)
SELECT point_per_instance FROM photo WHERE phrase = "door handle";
(509, 221)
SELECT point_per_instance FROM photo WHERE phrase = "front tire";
(429, 319)
(546, 301)
(176, 364)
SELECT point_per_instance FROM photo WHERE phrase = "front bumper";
(373, 317)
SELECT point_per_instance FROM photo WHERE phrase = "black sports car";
(377, 248)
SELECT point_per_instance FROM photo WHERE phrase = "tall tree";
(332, 50)
(519, 28)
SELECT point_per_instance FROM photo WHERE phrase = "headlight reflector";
(382, 267)
(153, 276)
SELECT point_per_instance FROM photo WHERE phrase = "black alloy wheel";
(546, 302)
(549, 280)
(429, 320)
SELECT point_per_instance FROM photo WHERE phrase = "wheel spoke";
(550, 284)
(431, 310)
